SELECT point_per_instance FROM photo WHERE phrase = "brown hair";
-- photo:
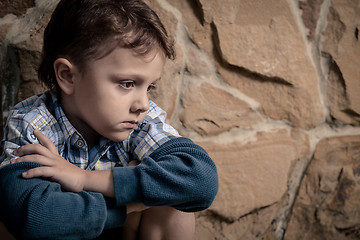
(84, 29)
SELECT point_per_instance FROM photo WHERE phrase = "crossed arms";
(43, 195)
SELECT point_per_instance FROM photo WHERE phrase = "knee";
(173, 218)
(168, 223)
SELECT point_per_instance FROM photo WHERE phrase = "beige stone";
(29, 57)
(167, 18)
(166, 92)
(198, 64)
(4, 28)
(262, 40)
(16, 7)
(207, 226)
(254, 175)
(328, 203)
(29, 63)
(337, 98)
(277, 100)
(341, 41)
(310, 15)
(199, 31)
(209, 110)
(266, 48)
(252, 226)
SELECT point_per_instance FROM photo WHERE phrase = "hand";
(133, 163)
(54, 167)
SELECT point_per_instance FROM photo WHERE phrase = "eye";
(151, 87)
(127, 84)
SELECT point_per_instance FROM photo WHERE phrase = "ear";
(65, 75)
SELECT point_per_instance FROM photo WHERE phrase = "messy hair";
(81, 30)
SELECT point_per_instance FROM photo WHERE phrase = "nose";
(141, 103)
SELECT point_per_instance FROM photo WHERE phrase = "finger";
(45, 172)
(31, 149)
(45, 141)
(34, 158)
(134, 163)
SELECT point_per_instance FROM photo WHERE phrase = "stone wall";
(270, 88)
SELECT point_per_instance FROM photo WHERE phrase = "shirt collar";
(70, 132)
(67, 128)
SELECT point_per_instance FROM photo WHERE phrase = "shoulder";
(154, 121)
(151, 133)
(28, 115)
(155, 112)
(35, 111)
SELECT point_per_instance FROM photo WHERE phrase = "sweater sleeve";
(179, 174)
(39, 209)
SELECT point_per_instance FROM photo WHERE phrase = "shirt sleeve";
(16, 133)
(150, 134)
(178, 173)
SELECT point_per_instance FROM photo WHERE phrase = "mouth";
(130, 124)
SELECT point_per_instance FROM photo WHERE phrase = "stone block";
(16, 7)
(254, 225)
(209, 110)
(263, 49)
(254, 175)
(328, 203)
(310, 15)
(342, 46)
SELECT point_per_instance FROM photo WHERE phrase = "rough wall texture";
(270, 88)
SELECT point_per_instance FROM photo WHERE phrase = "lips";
(130, 124)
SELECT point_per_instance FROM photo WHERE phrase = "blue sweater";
(179, 174)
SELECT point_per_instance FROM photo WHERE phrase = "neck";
(90, 135)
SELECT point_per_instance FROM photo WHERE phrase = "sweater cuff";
(127, 186)
(116, 216)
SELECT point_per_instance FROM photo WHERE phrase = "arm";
(37, 208)
(70, 177)
(173, 170)
(179, 174)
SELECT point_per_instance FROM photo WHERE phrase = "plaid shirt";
(43, 112)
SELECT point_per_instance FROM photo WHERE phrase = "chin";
(119, 137)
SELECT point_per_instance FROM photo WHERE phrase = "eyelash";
(151, 87)
(131, 84)
(124, 84)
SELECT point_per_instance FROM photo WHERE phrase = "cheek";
(142, 116)
(109, 106)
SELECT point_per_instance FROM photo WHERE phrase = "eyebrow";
(157, 80)
(119, 77)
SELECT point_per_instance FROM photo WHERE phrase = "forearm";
(179, 174)
(100, 181)
(43, 210)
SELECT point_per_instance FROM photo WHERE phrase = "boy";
(94, 153)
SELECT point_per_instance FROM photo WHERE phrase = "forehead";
(130, 41)
(123, 55)
(125, 61)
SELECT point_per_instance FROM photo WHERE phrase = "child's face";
(111, 97)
